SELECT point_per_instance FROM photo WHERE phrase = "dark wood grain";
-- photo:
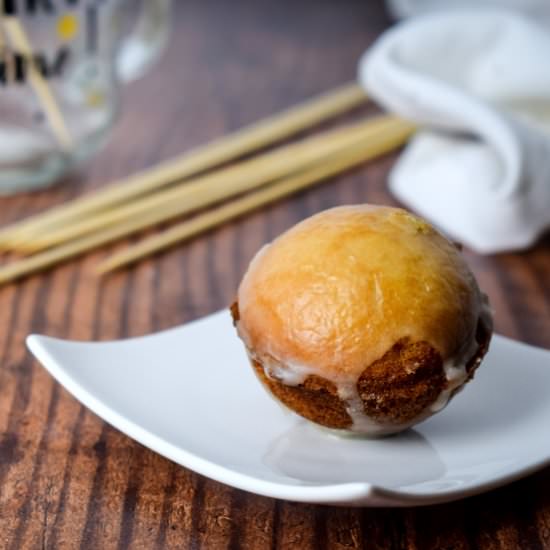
(67, 480)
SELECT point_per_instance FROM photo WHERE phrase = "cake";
(363, 319)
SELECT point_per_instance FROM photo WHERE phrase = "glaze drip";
(455, 369)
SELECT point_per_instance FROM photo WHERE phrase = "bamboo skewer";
(224, 184)
(18, 37)
(211, 219)
(364, 149)
(227, 148)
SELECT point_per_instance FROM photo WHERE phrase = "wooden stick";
(19, 39)
(222, 184)
(211, 219)
(367, 149)
(244, 141)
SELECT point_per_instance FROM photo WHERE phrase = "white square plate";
(189, 394)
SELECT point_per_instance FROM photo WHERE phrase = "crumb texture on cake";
(395, 391)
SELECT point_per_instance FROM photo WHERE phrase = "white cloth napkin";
(539, 9)
(478, 83)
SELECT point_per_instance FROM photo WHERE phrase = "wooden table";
(68, 480)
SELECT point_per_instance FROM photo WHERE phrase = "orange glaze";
(338, 290)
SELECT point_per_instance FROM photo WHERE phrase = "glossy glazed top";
(339, 289)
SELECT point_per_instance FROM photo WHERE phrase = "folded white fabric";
(540, 9)
(478, 83)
